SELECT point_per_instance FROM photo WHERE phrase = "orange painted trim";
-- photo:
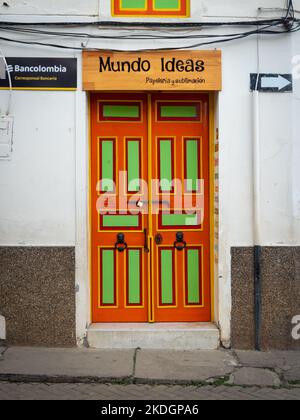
(150, 268)
(90, 201)
(212, 201)
(193, 236)
(150, 11)
(107, 238)
(151, 314)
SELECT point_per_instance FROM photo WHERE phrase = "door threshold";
(175, 336)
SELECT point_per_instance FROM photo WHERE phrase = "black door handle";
(180, 243)
(146, 248)
(158, 239)
(121, 245)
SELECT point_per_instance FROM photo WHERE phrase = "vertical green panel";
(134, 280)
(108, 277)
(192, 165)
(193, 276)
(107, 165)
(133, 153)
(167, 4)
(167, 277)
(166, 165)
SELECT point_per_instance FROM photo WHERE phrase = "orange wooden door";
(156, 139)
(119, 144)
(181, 219)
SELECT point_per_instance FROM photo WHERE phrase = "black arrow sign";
(271, 82)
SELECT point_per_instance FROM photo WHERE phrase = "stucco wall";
(199, 8)
(38, 184)
(45, 7)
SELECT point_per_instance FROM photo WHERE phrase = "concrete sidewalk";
(274, 369)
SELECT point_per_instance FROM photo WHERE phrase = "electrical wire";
(290, 15)
(123, 24)
(224, 39)
(119, 37)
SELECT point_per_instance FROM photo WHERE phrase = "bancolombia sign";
(181, 70)
(40, 73)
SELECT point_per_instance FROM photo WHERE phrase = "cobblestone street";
(20, 391)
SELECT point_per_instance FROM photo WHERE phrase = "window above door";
(151, 8)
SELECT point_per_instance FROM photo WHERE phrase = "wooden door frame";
(212, 172)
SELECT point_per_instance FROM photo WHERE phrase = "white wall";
(46, 7)
(280, 154)
(295, 152)
(37, 204)
(233, 8)
(199, 8)
(279, 140)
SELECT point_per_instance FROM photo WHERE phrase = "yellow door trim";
(150, 233)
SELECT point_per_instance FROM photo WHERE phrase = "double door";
(150, 208)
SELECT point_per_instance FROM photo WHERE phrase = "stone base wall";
(280, 297)
(37, 295)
